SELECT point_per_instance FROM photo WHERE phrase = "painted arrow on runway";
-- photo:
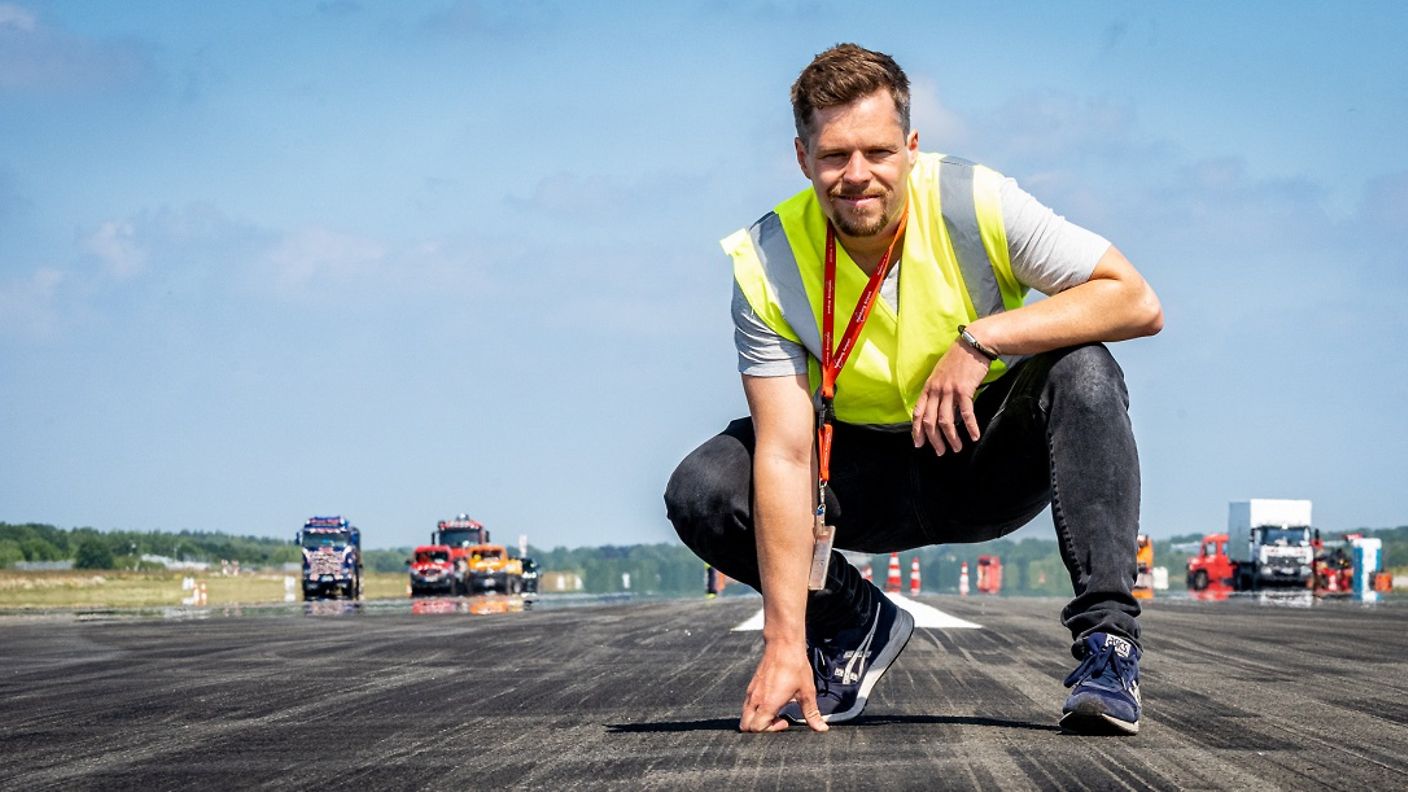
(924, 616)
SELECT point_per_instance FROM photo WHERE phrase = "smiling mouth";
(857, 200)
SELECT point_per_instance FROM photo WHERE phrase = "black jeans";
(1055, 429)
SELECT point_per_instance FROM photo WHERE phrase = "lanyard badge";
(824, 535)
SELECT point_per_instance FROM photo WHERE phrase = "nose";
(857, 169)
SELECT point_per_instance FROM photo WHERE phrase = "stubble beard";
(862, 227)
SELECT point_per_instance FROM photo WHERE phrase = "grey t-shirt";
(1048, 253)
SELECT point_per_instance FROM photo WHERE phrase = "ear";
(911, 145)
(802, 157)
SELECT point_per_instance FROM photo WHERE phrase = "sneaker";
(1104, 688)
(847, 665)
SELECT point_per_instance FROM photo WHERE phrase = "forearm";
(1114, 305)
(783, 529)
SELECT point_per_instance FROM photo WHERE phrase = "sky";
(265, 260)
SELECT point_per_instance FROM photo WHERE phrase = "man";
(958, 412)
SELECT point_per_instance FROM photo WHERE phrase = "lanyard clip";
(825, 410)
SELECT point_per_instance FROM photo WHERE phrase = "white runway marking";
(924, 616)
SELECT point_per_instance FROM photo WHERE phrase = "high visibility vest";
(954, 269)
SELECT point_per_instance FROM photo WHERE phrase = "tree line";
(1030, 566)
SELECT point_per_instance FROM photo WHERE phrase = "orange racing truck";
(491, 569)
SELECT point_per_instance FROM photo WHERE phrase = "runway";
(644, 695)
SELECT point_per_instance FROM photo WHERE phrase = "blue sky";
(265, 260)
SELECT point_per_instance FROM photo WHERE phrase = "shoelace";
(1105, 665)
(825, 671)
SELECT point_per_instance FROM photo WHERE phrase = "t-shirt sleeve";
(761, 351)
(1048, 252)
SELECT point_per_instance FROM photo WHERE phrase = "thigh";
(997, 485)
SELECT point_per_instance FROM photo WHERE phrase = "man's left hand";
(947, 399)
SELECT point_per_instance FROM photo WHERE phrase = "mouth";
(859, 202)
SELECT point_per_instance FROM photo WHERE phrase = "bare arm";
(1114, 305)
(784, 475)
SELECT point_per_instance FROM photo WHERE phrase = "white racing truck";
(1268, 542)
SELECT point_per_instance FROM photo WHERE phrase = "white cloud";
(27, 304)
(115, 244)
(38, 57)
(308, 256)
(940, 128)
(16, 18)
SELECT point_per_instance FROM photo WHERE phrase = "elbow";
(1148, 314)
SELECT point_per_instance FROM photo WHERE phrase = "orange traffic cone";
(914, 576)
(892, 580)
(963, 579)
(867, 574)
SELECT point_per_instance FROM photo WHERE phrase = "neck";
(867, 251)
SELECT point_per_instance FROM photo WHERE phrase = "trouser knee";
(1086, 378)
(707, 498)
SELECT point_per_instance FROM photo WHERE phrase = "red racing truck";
(460, 535)
(432, 572)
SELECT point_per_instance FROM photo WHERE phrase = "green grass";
(108, 589)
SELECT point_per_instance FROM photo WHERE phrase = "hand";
(783, 675)
(947, 398)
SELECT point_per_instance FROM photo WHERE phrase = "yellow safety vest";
(954, 269)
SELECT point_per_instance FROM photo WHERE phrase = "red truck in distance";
(432, 572)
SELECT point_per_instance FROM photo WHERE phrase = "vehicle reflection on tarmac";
(481, 605)
(1282, 597)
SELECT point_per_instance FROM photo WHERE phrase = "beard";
(862, 226)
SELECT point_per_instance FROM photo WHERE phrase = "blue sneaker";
(847, 665)
(1104, 688)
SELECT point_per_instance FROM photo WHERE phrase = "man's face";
(858, 161)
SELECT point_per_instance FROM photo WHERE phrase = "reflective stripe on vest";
(954, 269)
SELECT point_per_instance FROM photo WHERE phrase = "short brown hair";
(841, 75)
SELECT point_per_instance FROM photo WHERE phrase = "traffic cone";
(867, 574)
(892, 580)
(963, 579)
(914, 576)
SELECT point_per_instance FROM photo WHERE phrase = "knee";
(708, 489)
(1088, 377)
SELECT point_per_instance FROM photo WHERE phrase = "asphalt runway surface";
(644, 695)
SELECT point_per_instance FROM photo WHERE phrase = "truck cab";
(332, 558)
(1211, 567)
(1281, 556)
(491, 569)
(432, 572)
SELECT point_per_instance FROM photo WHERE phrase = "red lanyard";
(833, 362)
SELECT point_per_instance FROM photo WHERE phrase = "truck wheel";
(1199, 580)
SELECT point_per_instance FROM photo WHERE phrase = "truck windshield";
(316, 539)
(1284, 536)
(458, 537)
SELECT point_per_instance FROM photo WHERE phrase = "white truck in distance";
(1269, 542)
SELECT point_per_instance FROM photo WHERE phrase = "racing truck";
(1268, 543)
(332, 558)
(432, 571)
(489, 568)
